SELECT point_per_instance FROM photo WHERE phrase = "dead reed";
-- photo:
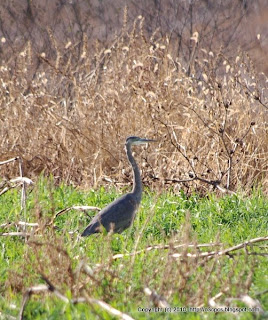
(71, 115)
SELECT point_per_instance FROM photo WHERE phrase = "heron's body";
(119, 214)
(124, 207)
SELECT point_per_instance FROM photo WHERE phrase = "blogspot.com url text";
(195, 309)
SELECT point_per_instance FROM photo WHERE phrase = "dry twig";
(49, 287)
(65, 210)
(222, 252)
(165, 246)
(194, 255)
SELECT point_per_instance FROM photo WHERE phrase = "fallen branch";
(20, 223)
(15, 234)
(27, 295)
(223, 252)
(8, 161)
(212, 300)
(194, 255)
(14, 183)
(49, 287)
(166, 246)
(5, 189)
(212, 303)
(105, 306)
(20, 181)
(36, 225)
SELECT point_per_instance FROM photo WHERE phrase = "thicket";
(70, 117)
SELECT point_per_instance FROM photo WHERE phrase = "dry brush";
(70, 116)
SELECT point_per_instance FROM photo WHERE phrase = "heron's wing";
(117, 216)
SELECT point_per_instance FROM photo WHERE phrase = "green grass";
(166, 218)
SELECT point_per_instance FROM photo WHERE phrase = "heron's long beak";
(144, 141)
(149, 140)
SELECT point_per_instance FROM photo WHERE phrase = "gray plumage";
(119, 214)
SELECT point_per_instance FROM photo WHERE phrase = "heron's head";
(137, 140)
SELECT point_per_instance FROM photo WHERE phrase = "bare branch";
(167, 246)
(105, 306)
(223, 252)
(27, 295)
(15, 234)
(20, 223)
(194, 255)
(51, 288)
(8, 161)
(22, 180)
(65, 210)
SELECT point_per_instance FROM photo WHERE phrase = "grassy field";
(122, 270)
(200, 237)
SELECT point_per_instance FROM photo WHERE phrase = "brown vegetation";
(68, 113)
(229, 23)
(195, 272)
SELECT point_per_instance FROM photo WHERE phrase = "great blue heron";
(119, 214)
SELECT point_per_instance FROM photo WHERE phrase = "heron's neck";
(137, 185)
